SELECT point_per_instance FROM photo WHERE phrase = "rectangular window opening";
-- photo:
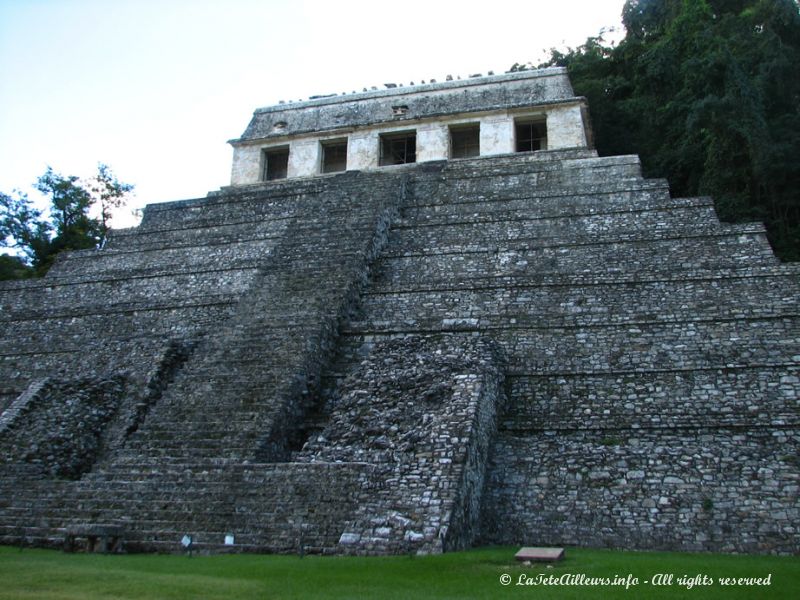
(398, 148)
(531, 134)
(465, 141)
(334, 156)
(276, 164)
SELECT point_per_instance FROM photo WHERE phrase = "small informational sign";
(186, 541)
(229, 539)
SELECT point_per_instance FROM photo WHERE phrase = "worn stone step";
(744, 397)
(437, 238)
(639, 347)
(589, 277)
(231, 255)
(550, 208)
(627, 195)
(31, 335)
(204, 232)
(499, 175)
(107, 293)
(725, 250)
(462, 243)
(565, 305)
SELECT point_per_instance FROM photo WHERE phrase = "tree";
(110, 194)
(13, 267)
(22, 227)
(70, 204)
(707, 93)
(69, 224)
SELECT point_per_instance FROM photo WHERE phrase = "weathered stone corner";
(424, 412)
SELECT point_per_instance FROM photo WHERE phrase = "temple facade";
(482, 116)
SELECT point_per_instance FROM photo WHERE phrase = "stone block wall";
(57, 427)
(691, 489)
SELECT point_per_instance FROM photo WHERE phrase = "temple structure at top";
(481, 116)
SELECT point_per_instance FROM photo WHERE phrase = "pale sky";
(156, 88)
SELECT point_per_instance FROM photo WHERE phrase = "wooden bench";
(533, 554)
(103, 538)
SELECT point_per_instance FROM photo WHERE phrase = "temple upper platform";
(525, 111)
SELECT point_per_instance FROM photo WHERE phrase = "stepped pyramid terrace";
(419, 319)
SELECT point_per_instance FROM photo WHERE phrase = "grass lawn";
(50, 575)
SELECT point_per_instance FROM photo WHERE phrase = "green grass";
(51, 575)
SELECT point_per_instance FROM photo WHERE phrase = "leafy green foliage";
(70, 203)
(68, 226)
(13, 267)
(109, 193)
(707, 93)
(22, 227)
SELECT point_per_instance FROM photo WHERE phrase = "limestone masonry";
(419, 319)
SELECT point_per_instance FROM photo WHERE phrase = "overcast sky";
(155, 88)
